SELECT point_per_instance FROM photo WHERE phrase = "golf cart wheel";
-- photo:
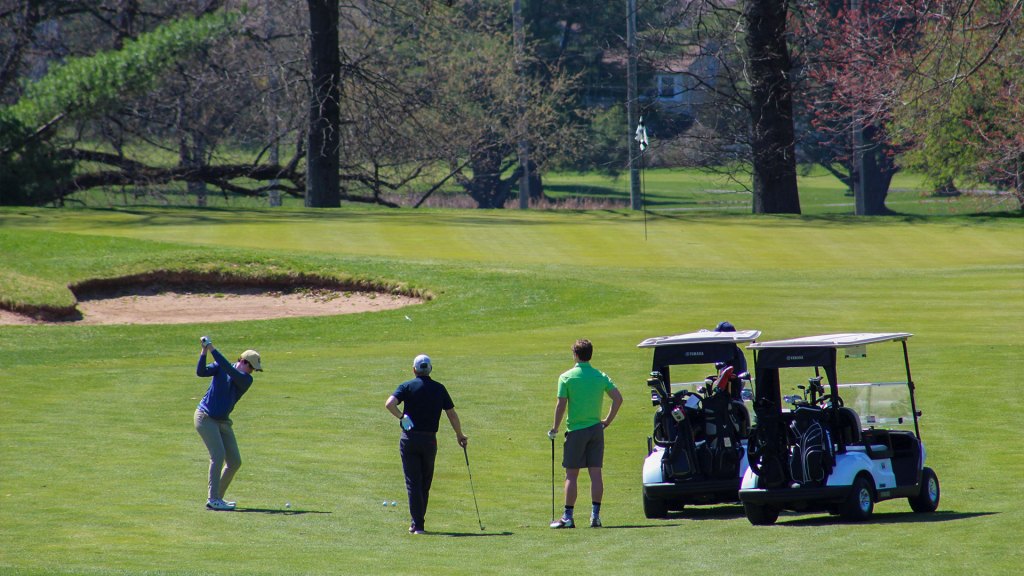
(654, 508)
(928, 499)
(760, 515)
(860, 503)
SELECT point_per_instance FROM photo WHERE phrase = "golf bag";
(722, 436)
(679, 461)
(767, 445)
(811, 457)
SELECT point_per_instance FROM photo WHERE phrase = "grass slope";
(102, 473)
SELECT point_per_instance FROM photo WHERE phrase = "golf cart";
(697, 452)
(810, 451)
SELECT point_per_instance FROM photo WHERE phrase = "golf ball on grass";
(287, 504)
(393, 503)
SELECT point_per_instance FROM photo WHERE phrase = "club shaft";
(472, 488)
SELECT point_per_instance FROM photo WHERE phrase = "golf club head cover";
(723, 378)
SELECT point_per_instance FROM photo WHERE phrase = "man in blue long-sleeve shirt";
(229, 383)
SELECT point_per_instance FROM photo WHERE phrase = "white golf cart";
(834, 447)
(697, 452)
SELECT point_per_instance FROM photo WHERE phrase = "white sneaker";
(563, 522)
(218, 504)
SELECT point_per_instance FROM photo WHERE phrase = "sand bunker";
(181, 307)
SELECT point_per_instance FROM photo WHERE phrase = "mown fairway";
(101, 471)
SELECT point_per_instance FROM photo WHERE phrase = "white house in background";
(681, 84)
(678, 85)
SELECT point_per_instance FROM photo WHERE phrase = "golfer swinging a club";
(582, 391)
(423, 399)
(229, 382)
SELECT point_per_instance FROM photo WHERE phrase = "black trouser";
(418, 451)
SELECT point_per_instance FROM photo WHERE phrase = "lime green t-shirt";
(585, 387)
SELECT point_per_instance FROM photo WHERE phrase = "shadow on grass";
(581, 190)
(157, 217)
(892, 518)
(280, 512)
(470, 534)
(727, 512)
(833, 220)
(650, 199)
(637, 526)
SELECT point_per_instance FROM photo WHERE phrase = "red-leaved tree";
(868, 63)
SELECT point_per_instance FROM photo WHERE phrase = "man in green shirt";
(581, 390)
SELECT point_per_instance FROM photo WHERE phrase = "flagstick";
(643, 197)
(641, 137)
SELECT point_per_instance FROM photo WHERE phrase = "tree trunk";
(1018, 183)
(536, 183)
(771, 109)
(486, 186)
(24, 36)
(323, 184)
(192, 157)
(878, 172)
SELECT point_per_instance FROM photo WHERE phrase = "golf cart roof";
(701, 337)
(833, 340)
(702, 347)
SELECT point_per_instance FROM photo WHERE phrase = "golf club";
(552, 479)
(468, 469)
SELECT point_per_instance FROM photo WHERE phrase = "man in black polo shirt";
(423, 399)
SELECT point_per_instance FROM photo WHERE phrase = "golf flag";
(641, 134)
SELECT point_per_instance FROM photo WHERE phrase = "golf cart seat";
(848, 426)
(741, 416)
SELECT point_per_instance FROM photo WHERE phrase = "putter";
(552, 480)
(478, 521)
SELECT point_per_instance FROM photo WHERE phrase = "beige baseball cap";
(253, 358)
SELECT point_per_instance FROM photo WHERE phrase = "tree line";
(390, 101)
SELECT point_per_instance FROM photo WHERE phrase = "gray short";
(584, 448)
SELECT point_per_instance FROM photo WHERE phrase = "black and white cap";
(421, 364)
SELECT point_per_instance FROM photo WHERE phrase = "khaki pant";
(224, 456)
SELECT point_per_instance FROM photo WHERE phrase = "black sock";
(596, 510)
(568, 511)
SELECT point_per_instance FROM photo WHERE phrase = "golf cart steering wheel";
(827, 398)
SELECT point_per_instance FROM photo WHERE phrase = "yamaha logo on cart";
(694, 354)
(791, 358)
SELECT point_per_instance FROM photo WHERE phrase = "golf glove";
(406, 423)
(205, 341)
(552, 434)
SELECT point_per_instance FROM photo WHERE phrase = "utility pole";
(524, 145)
(632, 105)
(858, 178)
(274, 193)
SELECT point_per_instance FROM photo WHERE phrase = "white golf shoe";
(218, 504)
(563, 522)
